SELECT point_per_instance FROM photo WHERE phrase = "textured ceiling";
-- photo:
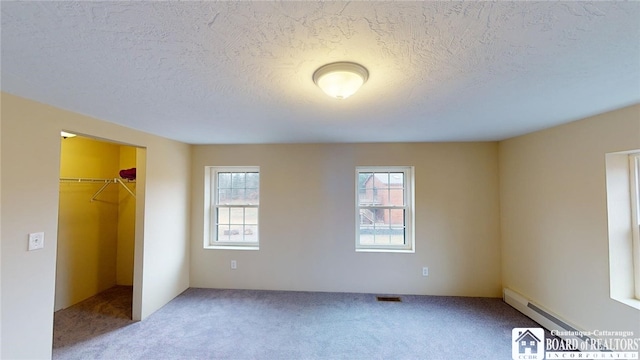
(240, 72)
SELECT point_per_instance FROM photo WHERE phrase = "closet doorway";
(97, 224)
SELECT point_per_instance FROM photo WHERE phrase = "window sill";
(231, 247)
(634, 303)
(405, 251)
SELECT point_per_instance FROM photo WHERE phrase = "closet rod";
(92, 180)
(106, 182)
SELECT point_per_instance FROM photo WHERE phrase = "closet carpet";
(247, 324)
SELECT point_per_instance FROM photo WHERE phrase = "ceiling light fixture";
(340, 79)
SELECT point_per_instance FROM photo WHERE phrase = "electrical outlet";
(234, 265)
(425, 271)
(36, 241)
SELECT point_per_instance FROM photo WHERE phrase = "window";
(623, 215)
(234, 205)
(634, 180)
(384, 209)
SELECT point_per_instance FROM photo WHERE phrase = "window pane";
(384, 219)
(396, 217)
(365, 197)
(369, 197)
(365, 188)
(238, 196)
(233, 233)
(396, 179)
(224, 180)
(251, 233)
(381, 180)
(363, 179)
(252, 196)
(378, 215)
(381, 236)
(237, 215)
(223, 216)
(367, 217)
(396, 197)
(252, 180)
(223, 233)
(251, 216)
(238, 180)
(366, 235)
(224, 196)
(397, 235)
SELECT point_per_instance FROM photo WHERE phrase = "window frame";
(212, 204)
(621, 175)
(408, 207)
(634, 183)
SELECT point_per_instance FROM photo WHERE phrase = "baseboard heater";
(545, 318)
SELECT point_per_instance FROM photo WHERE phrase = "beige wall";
(307, 214)
(554, 218)
(30, 172)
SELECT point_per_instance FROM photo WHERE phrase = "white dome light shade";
(341, 79)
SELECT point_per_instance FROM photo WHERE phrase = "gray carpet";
(246, 324)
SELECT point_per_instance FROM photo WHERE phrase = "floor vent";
(389, 298)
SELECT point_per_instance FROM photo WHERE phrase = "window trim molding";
(210, 182)
(409, 196)
(623, 266)
(634, 183)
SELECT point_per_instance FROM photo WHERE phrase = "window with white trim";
(234, 194)
(623, 215)
(634, 181)
(384, 208)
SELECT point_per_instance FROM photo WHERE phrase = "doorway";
(96, 221)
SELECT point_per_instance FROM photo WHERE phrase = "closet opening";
(97, 237)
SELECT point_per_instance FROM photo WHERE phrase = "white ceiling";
(240, 72)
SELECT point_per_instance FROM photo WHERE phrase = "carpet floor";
(248, 324)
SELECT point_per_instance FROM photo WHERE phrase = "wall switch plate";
(36, 241)
(425, 271)
(234, 265)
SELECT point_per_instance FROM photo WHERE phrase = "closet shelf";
(106, 182)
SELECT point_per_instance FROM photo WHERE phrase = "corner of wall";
(554, 217)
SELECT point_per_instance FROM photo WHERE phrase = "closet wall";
(95, 238)
(126, 221)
